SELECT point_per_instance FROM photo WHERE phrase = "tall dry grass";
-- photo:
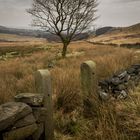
(112, 120)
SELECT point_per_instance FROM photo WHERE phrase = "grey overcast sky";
(110, 12)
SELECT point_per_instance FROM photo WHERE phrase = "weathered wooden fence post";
(43, 85)
(89, 88)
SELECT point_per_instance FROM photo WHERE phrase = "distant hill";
(117, 35)
(114, 30)
(2, 28)
(24, 32)
(133, 28)
(103, 30)
(37, 33)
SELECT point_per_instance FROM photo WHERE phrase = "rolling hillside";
(118, 36)
(105, 35)
(26, 32)
(37, 33)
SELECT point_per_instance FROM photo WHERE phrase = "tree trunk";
(64, 51)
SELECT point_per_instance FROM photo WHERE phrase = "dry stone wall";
(30, 117)
(23, 119)
(17, 121)
(118, 86)
(121, 83)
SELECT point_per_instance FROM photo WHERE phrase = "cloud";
(16, 2)
(13, 12)
(126, 1)
(118, 12)
(111, 12)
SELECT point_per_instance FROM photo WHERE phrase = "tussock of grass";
(114, 120)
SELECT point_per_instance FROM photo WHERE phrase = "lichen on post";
(89, 78)
(43, 85)
(89, 88)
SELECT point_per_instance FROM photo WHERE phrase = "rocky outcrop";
(120, 84)
(23, 119)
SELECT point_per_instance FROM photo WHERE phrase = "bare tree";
(64, 18)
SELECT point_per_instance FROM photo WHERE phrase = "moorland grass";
(114, 120)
